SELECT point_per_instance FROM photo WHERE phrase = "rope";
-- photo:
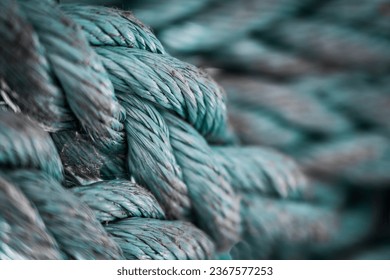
(111, 148)
(307, 78)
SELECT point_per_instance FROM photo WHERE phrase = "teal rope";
(158, 170)
(355, 50)
(342, 158)
(84, 163)
(262, 129)
(170, 10)
(159, 240)
(335, 67)
(174, 85)
(295, 109)
(208, 187)
(60, 51)
(259, 171)
(213, 124)
(28, 147)
(108, 27)
(369, 15)
(124, 110)
(119, 199)
(21, 227)
(66, 217)
(253, 56)
(312, 230)
(69, 229)
(209, 29)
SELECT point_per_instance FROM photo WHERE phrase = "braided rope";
(143, 143)
(322, 92)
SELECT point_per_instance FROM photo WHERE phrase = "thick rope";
(129, 104)
(56, 50)
(23, 233)
(144, 143)
(322, 92)
(119, 199)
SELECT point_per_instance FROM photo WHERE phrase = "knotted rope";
(309, 78)
(142, 144)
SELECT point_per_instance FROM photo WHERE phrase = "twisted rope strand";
(23, 234)
(24, 146)
(139, 137)
(109, 27)
(211, 195)
(173, 85)
(154, 239)
(119, 199)
(66, 217)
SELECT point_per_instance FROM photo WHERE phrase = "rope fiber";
(112, 148)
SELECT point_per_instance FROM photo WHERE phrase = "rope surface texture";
(308, 78)
(111, 148)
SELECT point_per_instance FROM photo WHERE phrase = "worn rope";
(308, 78)
(141, 161)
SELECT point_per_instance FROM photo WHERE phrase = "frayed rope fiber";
(110, 148)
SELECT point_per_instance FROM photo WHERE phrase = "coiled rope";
(309, 78)
(111, 148)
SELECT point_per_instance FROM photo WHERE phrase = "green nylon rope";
(143, 142)
(310, 79)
